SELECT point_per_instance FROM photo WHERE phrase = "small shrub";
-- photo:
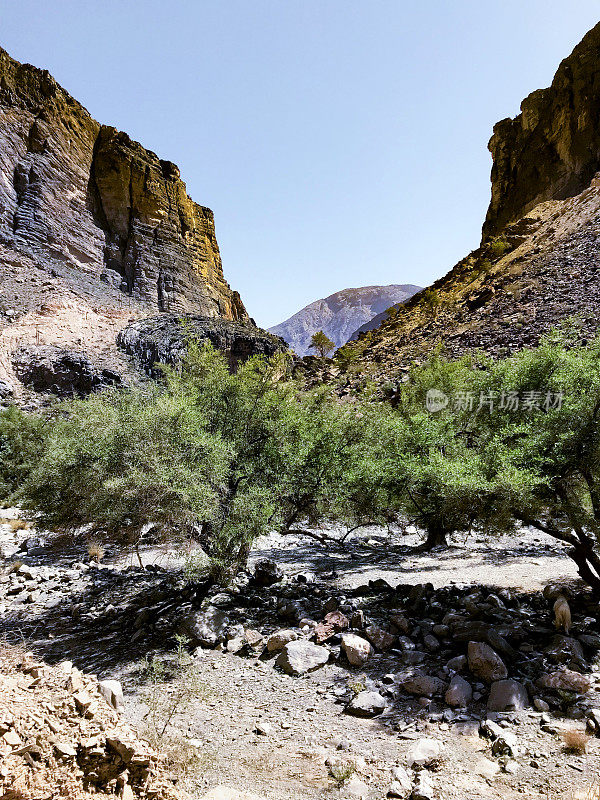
(342, 771)
(499, 247)
(95, 551)
(14, 567)
(575, 741)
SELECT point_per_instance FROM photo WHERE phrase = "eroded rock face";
(164, 339)
(57, 370)
(551, 150)
(82, 198)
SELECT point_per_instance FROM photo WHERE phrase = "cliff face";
(551, 150)
(83, 198)
(340, 314)
(537, 265)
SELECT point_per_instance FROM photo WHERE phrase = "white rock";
(279, 639)
(301, 656)
(356, 648)
(423, 752)
(112, 692)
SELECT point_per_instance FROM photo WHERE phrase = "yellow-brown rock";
(84, 200)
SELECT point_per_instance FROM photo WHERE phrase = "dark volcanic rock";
(56, 370)
(164, 339)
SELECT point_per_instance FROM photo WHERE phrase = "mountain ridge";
(340, 314)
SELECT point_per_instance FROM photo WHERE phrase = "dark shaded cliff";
(551, 150)
(78, 195)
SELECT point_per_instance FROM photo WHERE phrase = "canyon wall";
(85, 200)
(551, 150)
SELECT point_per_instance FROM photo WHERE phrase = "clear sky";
(339, 142)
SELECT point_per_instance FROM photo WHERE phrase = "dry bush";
(95, 551)
(575, 741)
(15, 566)
(17, 525)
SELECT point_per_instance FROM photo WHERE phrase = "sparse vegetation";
(95, 551)
(431, 302)
(575, 741)
(498, 247)
(320, 342)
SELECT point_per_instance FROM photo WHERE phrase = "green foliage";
(431, 301)
(21, 438)
(119, 460)
(320, 342)
(498, 247)
(226, 457)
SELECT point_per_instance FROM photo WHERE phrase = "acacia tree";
(122, 459)
(430, 472)
(320, 342)
(294, 457)
(550, 443)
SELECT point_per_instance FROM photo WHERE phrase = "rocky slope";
(538, 261)
(308, 682)
(95, 231)
(163, 340)
(340, 314)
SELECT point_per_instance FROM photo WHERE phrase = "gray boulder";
(300, 657)
(206, 628)
(459, 693)
(366, 704)
(507, 695)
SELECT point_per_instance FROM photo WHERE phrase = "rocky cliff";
(340, 314)
(78, 194)
(95, 232)
(163, 340)
(551, 150)
(538, 262)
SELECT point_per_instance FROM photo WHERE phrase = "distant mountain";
(340, 314)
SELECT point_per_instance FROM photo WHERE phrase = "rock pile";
(60, 735)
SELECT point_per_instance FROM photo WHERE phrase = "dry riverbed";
(234, 717)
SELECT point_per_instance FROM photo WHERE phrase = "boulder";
(402, 782)
(423, 752)
(507, 695)
(112, 692)
(278, 640)
(566, 680)
(300, 657)
(423, 788)
(423, 685)
(333, 623)
(366, 704)
(485, 663)
(565, 650)
(206, 628)
(459, 693)
(356, 648)
(380, 639)
(266, 572)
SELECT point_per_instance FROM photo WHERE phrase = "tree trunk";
(436, 537)
(581, 556)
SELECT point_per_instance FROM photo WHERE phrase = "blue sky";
(339, 143)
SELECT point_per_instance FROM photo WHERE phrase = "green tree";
(119, 460)
(320, 342)
(294, 457)
(550, 443)
(429, 470)
(21, 441)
